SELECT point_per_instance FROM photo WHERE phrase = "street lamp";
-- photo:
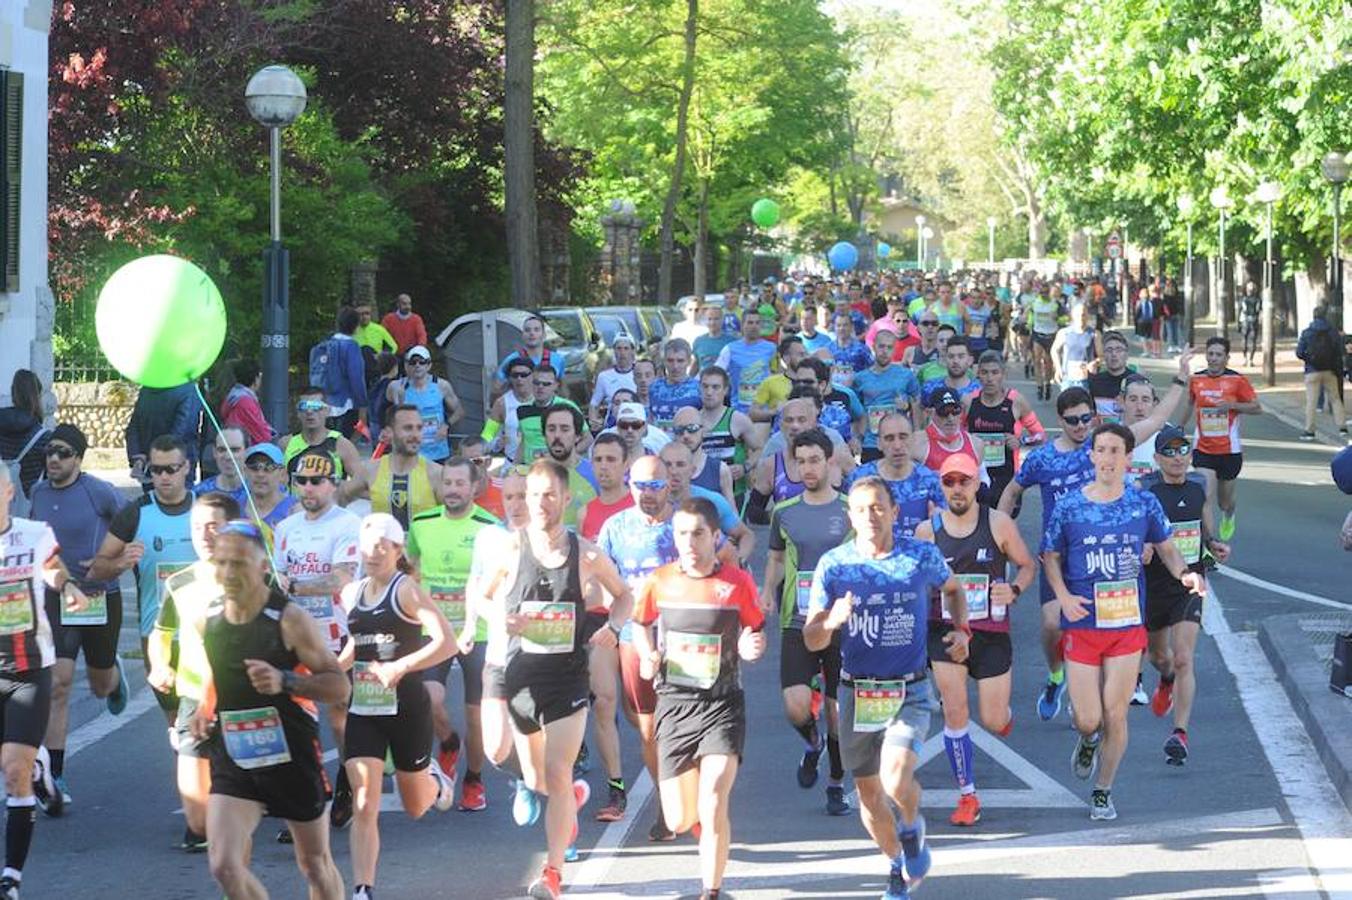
(1220, 199)
(1185, 207)
(927, 233)
(990, 239)
(920, 242)
(1269, 192)
(275, 97)
(1335, 169)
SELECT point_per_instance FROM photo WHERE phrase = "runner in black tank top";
(983, 420)
(547, 663)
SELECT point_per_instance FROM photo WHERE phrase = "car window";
(630, 319)
(568, 325)
(656, 324)
(610, 327)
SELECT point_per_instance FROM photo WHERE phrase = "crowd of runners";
(577, 565)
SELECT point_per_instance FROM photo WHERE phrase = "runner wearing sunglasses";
(705, 471)
(312, 412)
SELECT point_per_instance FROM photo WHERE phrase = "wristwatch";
(1179, 381)
(290, 680)
(1015, 590)
(615, 629)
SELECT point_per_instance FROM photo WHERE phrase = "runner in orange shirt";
(1219, 395)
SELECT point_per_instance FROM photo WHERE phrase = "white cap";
(629, 412)
(377, 526)
(417, 350)
(622, 338)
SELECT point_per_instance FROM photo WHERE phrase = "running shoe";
(9, 889)
(570, 853)
(1163, 699)
(284, 836)
(363, 892)
(445, 787)
(1304, 436)
(968, 812)
(896, 883)
(1138, 696)
(916, 850)
(548, 886)
(660, 833)
(836, 804)
(1176, 748)
(1084, 761)
(44, 787)
(582, 765)
(1101, 806)
(1008, 726)
(1049, 701)
(448, 758)
(193, 842)
(473, 797)
(616, 804)
(117, 700)
(807, 766)
(62, 789)
(525, 805)
(1226, 530)
(340, 810)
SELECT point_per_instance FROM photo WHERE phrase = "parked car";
(610, 327)
(657, 326)
(475, 344)
(583, 343)
(634, 321)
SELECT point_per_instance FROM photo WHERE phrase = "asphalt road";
(1250, 815)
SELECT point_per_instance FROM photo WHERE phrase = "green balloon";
(160, 321)
(765, 213)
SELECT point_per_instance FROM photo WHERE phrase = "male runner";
(265, 469)
(1003, 421)
(729, 434)
(927, 351)
(945, 435)
(1092, 554)
(530, 416)
(1075, 347)
(540, 581)
(501, 427)
(848, 351)
(78, 507)
(404, 482)
(746, 362)
(268, 664)
(802, 529)
(707, 347)
(774, 390)
(610, 464)
(563, 429)
(676, 389)
(1044, 312)
(705, 471)
(978, 543)
(432, 398)
(1105, 381)
(915, 489)
(229, 448)
(841, 410)
(312, 412)
(608, 381)
(883, 387)
(957, 377)
(879, 586)
(707, 617)
(1220, 395)
(741, 540)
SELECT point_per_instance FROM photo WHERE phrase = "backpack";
(1322, 354)
(321, 361)
(22, 504)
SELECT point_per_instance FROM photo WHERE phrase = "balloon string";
(263, 529)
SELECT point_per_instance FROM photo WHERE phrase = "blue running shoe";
(570, 855)
(896, 884)
(1049, 701)
(117, 700)
(525, 805)
(916, 850)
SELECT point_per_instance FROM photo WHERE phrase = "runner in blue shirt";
(883, 387)
(915, 489)
(747, 362)
(847, 349)
(675, 389)
(877, 590)
(1094, 552)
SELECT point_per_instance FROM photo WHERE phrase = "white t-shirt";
(25, 634)
(307, 549)
(608, 381)
(689, 331)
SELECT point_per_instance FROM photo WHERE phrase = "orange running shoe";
(968, 812)
(548, 886)
(1163, 699)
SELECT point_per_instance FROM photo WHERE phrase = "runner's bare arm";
(440, 646)
(725, 482)
(115, 556)
(822, 623)
(750, 436)
(359, 484)
(325, 682)
(745, 539)
(1073, 606)
(601, 569)
(1165, 408)
(457, 408)
(347, 452)
(774, 572)
(1010, 542)
(1172, 558)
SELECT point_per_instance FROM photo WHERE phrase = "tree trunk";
(523, 253)
(668, 227)
(702, 241)
(1037, 229)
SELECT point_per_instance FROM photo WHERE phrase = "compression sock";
(21, 814)
(451, 744)
(472, 777)
(808, 731)
(958, 749)
(58, 761)
(833, 754)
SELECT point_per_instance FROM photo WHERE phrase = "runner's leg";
(194, 789)
(876, 814)
(680, 800)
(562, 739)
(1051, 637)
(316, 860)
(1183, 640)
(365, 774)
(605, 675)
(1119, 680)
(63, 677)
(992, 697)
(951, 679)
(717, 772)
(1086, 697)
(231, 822)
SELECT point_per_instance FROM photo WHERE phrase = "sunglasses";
(686, 429)
(311, 406)
(949, 410)
(1174, 450)
(522, 374)
(166, 470)
(655, 485)
(303, 480)
(420, 361)
(60, 452)
(1082, 419)
(956, 480)
(926, 324)
(630, 426)
(262, 467)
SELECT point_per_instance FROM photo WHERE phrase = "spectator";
(404, 325)
(1320, 348)
(345, 377)
(371, 335)
(241, 408)
(175, 411)
(23, 438)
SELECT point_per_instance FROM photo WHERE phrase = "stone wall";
(101, 410)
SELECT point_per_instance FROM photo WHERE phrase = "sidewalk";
(1286, 400)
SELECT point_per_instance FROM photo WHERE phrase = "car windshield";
(610, 326)
(568, 325)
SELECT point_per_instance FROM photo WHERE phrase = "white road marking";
(1274, 588)
(1323, 821)
(105, 723)
(602, 855)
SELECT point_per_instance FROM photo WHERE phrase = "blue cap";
(1342, 470)
(271, 451)
(1168, 435)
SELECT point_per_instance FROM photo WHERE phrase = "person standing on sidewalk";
(1320, 348)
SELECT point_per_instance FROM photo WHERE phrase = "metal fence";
(75, 344)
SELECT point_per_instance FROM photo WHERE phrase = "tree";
(519, 145)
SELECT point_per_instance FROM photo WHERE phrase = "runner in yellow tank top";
(402, 483)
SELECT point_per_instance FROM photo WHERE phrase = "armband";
(491, 429)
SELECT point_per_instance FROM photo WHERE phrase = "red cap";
(961, 463)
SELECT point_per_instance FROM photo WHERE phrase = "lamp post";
(927, 233)
(1335, 169)
(990, 240)
(275, 97)
(1269, 192)
(1185, 207)
(1220, 199)
(920, 242)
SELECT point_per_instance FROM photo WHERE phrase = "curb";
(1327, 717)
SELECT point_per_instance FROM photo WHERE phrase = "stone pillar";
(362, 278)
(620, 254)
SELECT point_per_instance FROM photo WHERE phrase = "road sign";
(1114, 246)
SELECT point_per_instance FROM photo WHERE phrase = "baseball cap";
(960, 463)
(1342, 470)
(945, 397)
(631, 412)
(315, 463)
(271, 451)
(377, 526)
(1168, 435)
(418, 350)
(622, 339)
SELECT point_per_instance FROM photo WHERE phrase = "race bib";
(1214, 422)
(1116, 604)
(875, 417)
(369, 696)
(254, 738)
(1044, 321)
(319, 606)
(977, 589)
(804, 587)
(95, 613)
(16, 607)
(1188, 539)
(693, 660)
(876, 704)
(992, 449)
(451, 602)
(746, 393)
(549, 626)
(1137, 471)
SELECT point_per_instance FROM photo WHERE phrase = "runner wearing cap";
(631, 424)
(915, 489)
(1173, 614)
(978, 543)
(405, 481)
(265, 469)
(1093, 554)
(608, 381)
(432, 397)
(312, 412)
(397, 629)
(945, 435)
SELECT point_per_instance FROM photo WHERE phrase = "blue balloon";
(843, 256)
(884, 250)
